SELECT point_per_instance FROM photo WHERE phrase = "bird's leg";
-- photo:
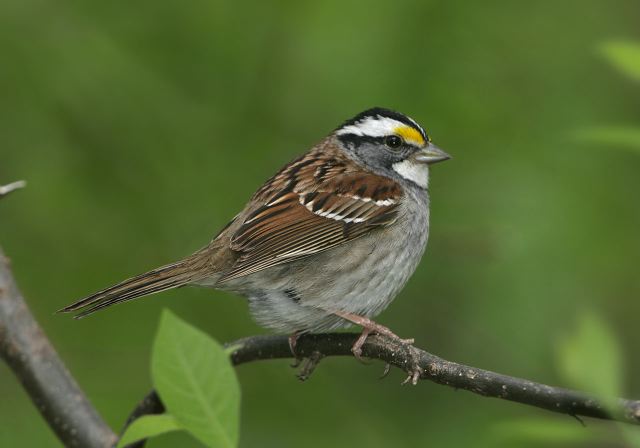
(368, 327)
(309, 364)
(293, 340)
(356, 349)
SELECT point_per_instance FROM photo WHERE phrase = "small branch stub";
(13, 186)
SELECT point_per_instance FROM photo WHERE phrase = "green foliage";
(624, 56)
(143, 127)
(196, 382)
(149, 426)
(627, 137)
(589, 357)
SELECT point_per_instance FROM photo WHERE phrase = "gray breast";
(361, 277)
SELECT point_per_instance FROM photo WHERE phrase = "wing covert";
(309, 207)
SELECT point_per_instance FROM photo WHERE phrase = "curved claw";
(415, 371)
(413, 377)
(309, 366)
(387, 369)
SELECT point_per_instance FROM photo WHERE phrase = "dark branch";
(13, 186)
(430, 367)
(64, 406)
(36, 364)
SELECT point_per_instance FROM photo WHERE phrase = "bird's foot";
(293, 341)
(356, 349)
(369, 327)
(309, 365)
(413, 377)
(413, 368)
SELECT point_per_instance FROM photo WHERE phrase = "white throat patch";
(415, 172)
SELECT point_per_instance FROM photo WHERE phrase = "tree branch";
(430, 367)
(76, 422)
(6, 189)
(42, 373)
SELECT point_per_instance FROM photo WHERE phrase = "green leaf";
(196, 382)
(590, 358)
(611, 135)
(625, 56)
(148, 426)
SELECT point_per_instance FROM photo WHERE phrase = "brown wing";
(318, 202)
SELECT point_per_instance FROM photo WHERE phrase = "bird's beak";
(431, 154)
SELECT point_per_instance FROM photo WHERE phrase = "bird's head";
(391, 144)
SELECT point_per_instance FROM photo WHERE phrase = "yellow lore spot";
(410, 135)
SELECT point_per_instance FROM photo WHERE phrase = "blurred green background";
(143, 127)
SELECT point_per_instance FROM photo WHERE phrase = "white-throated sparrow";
(328, 242)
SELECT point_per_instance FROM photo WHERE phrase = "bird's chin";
(418, 173)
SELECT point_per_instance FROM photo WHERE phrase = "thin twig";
(13, 186)
(431, 367)
(54, 392)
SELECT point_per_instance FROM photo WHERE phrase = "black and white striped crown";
(379, 122)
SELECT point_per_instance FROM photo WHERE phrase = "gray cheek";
(378, 157)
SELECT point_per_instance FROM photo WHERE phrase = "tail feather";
(166, 277)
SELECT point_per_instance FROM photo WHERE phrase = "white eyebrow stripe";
(373, 127)
(415, 124)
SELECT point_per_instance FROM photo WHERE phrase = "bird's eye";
(393, 141)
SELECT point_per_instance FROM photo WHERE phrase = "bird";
(326, 243)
